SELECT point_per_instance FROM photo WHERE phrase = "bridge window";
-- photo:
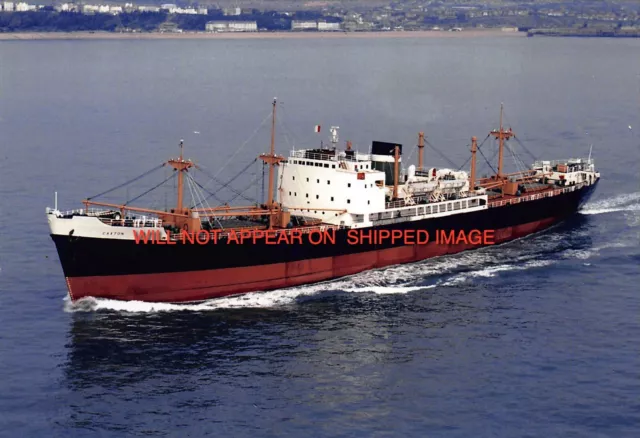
(317, 196)
(307, 179)
(294, 178)
(332, 198)
(327, 166)
(307, 195)
(318, 181)
(333, 166)
(328, 182)
(348, 201)
(348, 184)
(289, 193)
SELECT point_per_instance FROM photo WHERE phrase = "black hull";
(99, 267)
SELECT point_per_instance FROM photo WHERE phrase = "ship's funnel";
(383, 158)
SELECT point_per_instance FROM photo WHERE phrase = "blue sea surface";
(536, 338)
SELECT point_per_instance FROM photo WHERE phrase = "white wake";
(625, 202)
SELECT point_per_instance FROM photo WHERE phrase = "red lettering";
(410, 237)
(384, 234)
(352, 237)
(296, 235)
(283, 238)
(257, 234)
(187, 236)
(233, 237)
(156, 237)
(169, 241)
(475, 237)
(202, 237)
(244, 234)
(366, 235)
(140, 236)
(462, 237)
(489, 237)
(396, 235)
(270, 237)
(316, 241)
(423, 237)
(447, 239)
(214, 236)
(330, 236)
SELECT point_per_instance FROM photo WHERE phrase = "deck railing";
(536, 196)
(302, 154)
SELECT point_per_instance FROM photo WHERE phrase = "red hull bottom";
(203, 285)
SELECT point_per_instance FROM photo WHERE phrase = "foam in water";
(493, 270)
(625, 202)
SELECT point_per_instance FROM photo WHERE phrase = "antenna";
(590, 149)
(55, 201)
(334, 135)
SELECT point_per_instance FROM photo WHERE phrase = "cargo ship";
(328, 212)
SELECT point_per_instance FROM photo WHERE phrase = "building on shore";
(232, 26)
(323, 26)
(304, 25)
(232, 11)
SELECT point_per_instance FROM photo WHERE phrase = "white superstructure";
(352, 189)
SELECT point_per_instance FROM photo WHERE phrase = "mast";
(396, 168)
(273, 151)
(501, 135)
(501, 145)
(420, 149)
(272, 159)
(181, 166)
(472, 179)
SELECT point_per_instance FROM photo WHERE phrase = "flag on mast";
(316, 128)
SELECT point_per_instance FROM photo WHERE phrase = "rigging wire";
(411, 154)
(190, 185)
(525, 149)
(173, 174)
(246, 188)
(284, 133)
(224, 185)
(479, 146)
(214, 196)
(200, 195)
(443, 156)
(283, 120)
(129, 182)
(487, 161)
(240, 148)
(518, 140)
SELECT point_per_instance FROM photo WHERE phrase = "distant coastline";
(81, 35)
